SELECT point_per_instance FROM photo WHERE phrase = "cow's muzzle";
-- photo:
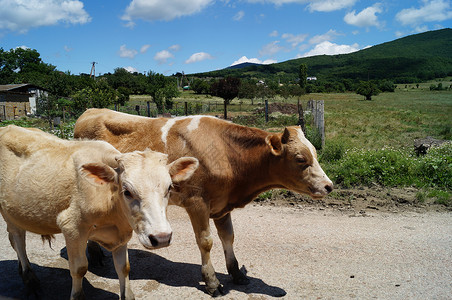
(160, 240)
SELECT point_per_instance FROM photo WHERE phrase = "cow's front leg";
(199, 214)
(122, 267)
(226, 234)
(78, 264)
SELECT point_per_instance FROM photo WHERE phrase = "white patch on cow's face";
(145, 183)
(305, 141)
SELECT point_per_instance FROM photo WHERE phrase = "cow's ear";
(274, 143)
(285, 136)
(182, 169)
(99, 174)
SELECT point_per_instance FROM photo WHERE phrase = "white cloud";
(330, 35)
(174, 48)
(245, 59)
(144, 48)
(366, 18)
(294, 40)
(271, 49)
(197, 57)
(313, 5)
(238, 16)
(330, 5)
(162, 56)
(124, 52)
(162, 9)
(274, 33)
(431, 11)
(329, 48)
(20, 16)
(131, 69)
(67, 48)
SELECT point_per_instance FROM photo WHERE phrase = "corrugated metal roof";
(10, 87)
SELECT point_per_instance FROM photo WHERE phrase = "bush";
(333, 151)
(392, 167)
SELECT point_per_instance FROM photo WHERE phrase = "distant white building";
(311, 78)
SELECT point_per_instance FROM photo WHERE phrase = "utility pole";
(93, 70)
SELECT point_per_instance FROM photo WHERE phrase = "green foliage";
(99, 95)
(367, 89)
(162, 89)
(227, 88)
(200, 86)
(393, 167)
(303, 75)
(333, 151)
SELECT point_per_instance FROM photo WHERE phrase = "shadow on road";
(55, 283)
(145, 265)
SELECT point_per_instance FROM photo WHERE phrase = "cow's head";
(144, 180)
(297, 167)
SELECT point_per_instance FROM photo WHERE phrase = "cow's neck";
(254, 160)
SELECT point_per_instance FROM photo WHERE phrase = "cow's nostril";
(329, 188)
(153, 240)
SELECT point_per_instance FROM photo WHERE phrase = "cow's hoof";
(215, 291)
(239, 277)
(78, 296)
(31, 281)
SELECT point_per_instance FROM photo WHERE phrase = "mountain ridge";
(412, 58)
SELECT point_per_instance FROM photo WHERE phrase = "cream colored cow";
(86, 190)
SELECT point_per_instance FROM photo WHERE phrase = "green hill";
(418, 57)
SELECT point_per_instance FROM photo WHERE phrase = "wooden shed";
(19, 100)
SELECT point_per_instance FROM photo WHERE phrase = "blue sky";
(169, 36)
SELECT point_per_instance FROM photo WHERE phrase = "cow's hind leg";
(17, 240)
(226, 234)
(199, 214)
(122, 267)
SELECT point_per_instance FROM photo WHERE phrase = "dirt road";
(289, 252)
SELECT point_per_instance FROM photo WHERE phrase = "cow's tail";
(48, 238)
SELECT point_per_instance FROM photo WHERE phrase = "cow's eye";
(301, 160)
(169, 189)
(127, 193)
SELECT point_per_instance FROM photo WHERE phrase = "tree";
(99, 95)
(367, 89)
(227, 89)
(303, 74)
(162, 89)
(248, 90)
(200, 86)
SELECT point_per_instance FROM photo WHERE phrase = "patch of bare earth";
(357, 201)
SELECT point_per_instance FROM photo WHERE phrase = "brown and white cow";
(85, 190)
(237, 163)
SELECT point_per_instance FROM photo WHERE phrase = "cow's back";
(120, 129)
(38, 175)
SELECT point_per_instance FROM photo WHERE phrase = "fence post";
(266, 111)
(301, 117)
(318, 117)
(148, 104)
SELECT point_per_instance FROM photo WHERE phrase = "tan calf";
(237, 163)
(86, 190)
